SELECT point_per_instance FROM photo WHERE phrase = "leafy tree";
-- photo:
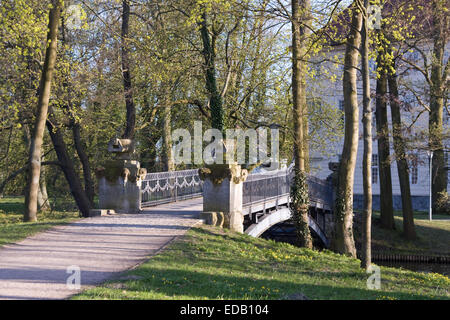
(42, 108)
(343, 241)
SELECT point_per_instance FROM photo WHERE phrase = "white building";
(332, 93)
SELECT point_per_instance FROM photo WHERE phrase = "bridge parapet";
(230, 194)
(164, 187)
(275, 185)
(222, 194)
(119, 179)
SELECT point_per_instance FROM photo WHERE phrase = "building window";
(372, 65)
(315, 104)
(414, 171)
(374, 168)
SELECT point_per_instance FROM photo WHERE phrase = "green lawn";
(12, 229)
(432, 236)
(211, 263)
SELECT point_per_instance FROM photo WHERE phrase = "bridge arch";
(269, 220)
(281, 215)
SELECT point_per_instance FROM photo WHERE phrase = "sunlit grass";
(209, 263)
(432, 236)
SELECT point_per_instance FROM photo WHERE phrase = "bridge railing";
(268, 190)
(275, 185)
(260, 188)
(266, 186)
(171, 186)
(320, 191)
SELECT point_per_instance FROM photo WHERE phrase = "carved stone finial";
(123, 148)
(217, 173)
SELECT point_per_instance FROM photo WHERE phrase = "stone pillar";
(222, 195)
(119, 180)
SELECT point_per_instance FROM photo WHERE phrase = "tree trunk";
(14, 174)
(384, 165)
(42, 196)
(84, 159)
(31, 193)
(67, 166)
(402, 164)
(366, 258)
(167, 156)
(343, 241)
(299, 191)
(215, 102)
(437, 94)
(128, 92)
(43, 201)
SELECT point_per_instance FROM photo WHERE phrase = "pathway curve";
(36, 268)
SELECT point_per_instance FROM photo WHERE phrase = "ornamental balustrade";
(170, 186)
(274, 186)
(264, 188)
(262, 193)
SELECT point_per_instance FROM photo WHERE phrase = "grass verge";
(211, 263)
(433, 237)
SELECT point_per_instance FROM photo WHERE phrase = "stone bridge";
(245, 203)
(231, 197)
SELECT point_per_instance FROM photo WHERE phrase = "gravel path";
(102, 247)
